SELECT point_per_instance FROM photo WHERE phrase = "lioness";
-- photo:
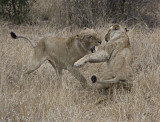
(63, 52)
(116, 54)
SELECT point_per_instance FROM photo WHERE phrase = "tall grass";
(35, 98)
(90, 13)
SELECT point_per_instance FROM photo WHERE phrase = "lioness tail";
(14, 36)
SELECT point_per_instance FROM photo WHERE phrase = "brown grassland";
(34, 97)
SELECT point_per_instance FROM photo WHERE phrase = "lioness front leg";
(99, 56)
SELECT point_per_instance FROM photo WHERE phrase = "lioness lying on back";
(116, 54)
(63, 52)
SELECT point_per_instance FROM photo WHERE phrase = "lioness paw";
(78, 63)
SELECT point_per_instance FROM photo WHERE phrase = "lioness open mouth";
(93, 49)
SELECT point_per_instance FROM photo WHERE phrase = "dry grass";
(34, 97)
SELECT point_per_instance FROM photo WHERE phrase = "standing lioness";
(63, 52)
(116, 54)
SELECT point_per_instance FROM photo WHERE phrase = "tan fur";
(63, 52)
(116, 54)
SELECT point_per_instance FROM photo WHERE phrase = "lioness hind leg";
(58, 73)
(34, 66)
(78, 76)
(37, 59)
(60, 80)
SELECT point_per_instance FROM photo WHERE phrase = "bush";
(91, 12)
(16, 10)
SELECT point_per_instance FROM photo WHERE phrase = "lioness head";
(89, 39)
(115, 31)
